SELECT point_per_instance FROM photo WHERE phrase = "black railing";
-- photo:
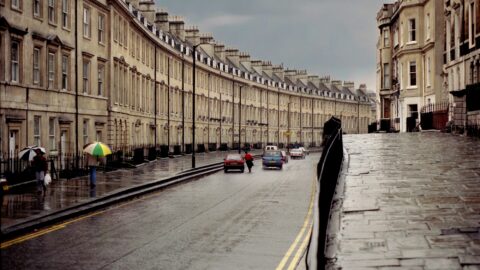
(328, 169)
(435, 116)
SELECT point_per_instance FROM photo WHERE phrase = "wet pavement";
(233, 220)
(410, 201)
(17, 208)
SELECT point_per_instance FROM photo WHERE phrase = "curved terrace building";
(122, 72)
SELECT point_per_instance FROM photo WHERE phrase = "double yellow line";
(301, 241)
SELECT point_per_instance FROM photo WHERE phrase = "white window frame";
(36, 66)
(36, 130)
(386, 76)
(410, 65)
(51, 70)
(65, 64)
(51, 12)
(15, 61)
(51, 133)
(86, 75)
(85, 131)
(101, 28)
(395, 37)
(386, 37)
(65, 12)
(86, 22)
(101, 79)
(16, 4)
(427, 27)
(37, 8)
(471, 24)
(412, 30)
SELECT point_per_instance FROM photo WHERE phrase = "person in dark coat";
(40, 166)
(249, 160)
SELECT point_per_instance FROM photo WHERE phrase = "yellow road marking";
(306, 224)
(63, 225)
(298, 255)
(31, 236)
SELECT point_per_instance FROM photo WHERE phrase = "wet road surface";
(19, 206)
(223, 221)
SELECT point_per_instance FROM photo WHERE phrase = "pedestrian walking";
(92, 164)
(40, 166)
(249, 160)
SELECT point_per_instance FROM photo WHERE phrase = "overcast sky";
(325, 37)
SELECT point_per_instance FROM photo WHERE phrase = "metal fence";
(69, 165)
(328, 169)
(435, 116)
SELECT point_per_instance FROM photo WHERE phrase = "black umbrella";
(29, 152)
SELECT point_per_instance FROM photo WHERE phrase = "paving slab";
(410, 201)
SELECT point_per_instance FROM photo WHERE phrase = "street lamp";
(240, 121)
(193, 105)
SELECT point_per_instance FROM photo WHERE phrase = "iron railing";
(328, 169)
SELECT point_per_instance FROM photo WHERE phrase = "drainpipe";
(240, 120)
(77, 161)
(168, 104)
(278, 118)
(208, 113)
(233, 113)
(155, 99)
(221, 120)
(183, 104)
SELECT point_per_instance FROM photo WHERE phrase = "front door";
(12, 148)
(63, 148)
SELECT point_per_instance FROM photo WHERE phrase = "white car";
(305, 151)
(296, 153)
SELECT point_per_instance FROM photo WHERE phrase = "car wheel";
(243, 170)
(225, 170)
(281, 167)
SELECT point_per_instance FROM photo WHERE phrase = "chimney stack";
(192, 35)
(161, 20)
(147, 7)
(177, 27)
(220, 51)
(350, 85)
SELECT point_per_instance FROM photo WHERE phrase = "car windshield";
(234, 157)
(272, 154)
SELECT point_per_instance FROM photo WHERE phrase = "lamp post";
(193, 104)
(240, 120)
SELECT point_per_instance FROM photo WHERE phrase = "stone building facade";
(462, 62)
(409, 67)
(122, 72)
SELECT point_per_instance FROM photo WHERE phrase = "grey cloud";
(335, 37)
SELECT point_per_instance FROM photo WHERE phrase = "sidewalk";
(63, 193)
(410, 201)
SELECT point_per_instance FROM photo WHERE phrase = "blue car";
(272, 159)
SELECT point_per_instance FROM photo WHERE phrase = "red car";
(234, 161)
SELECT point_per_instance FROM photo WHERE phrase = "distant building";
(462, 62)
(409, 66)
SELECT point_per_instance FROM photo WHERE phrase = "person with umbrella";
(94, 151)
(40, 166)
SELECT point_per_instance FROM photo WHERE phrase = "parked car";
(284, 157)
(297, 153)
(270, 148)
(234, 161)
(272, 159)
(305, 150)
